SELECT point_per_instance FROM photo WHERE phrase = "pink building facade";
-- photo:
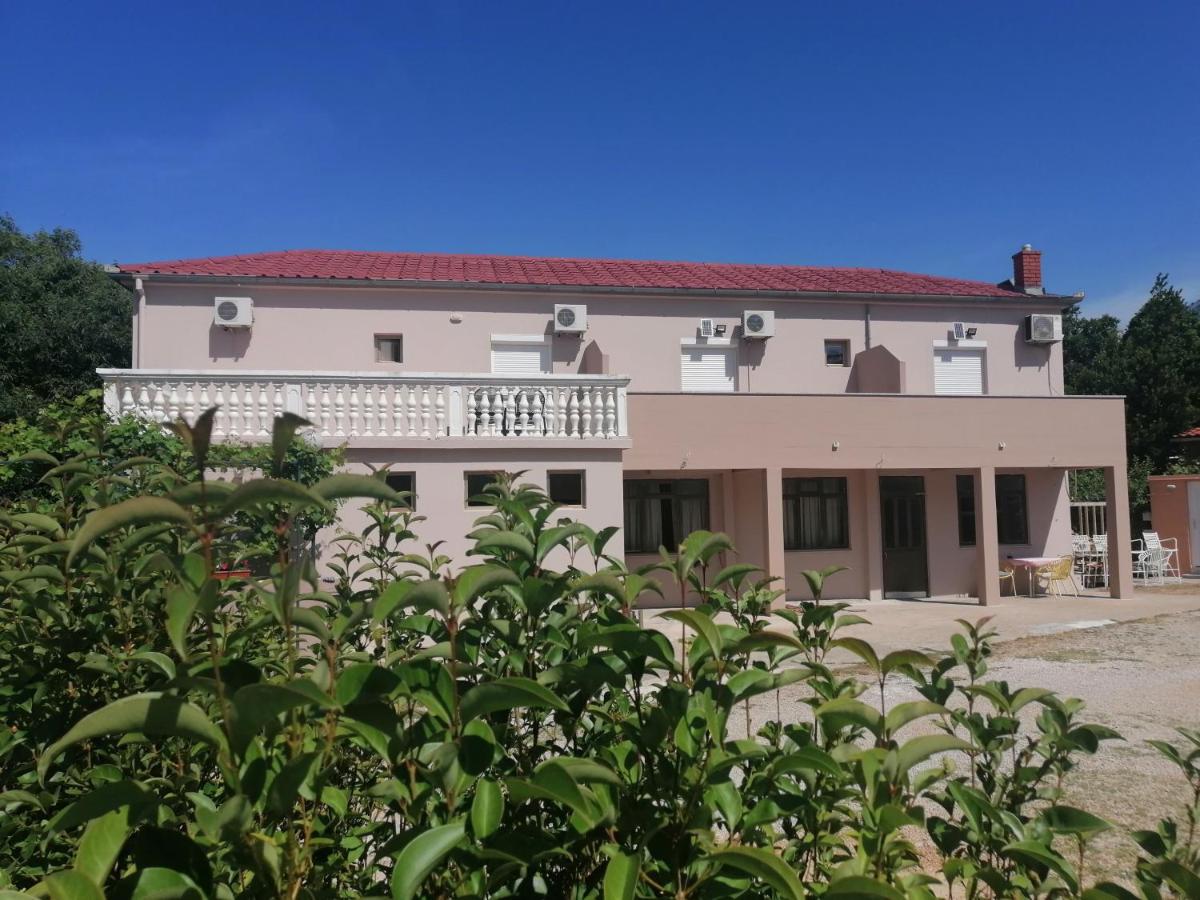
(913, 428)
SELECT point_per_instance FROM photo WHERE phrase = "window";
(816, 515)
(516, 354)
(476, 483)
(1012, 516)
(565, 488)
(405, 483)
(957, 371)
(389, 348)
(837, 353)
(710, 368)
(661, 513)
(965, 485)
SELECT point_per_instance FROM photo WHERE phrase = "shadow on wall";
(227, 343)
(877, 371)
(592, 361)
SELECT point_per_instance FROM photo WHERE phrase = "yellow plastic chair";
(1007, 574)
(1059, 572)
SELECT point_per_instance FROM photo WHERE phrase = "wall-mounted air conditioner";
(570, 318)
(707, 328)
(758, 324)
(1043, 329)
(233, 312)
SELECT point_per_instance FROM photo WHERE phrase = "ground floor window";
(476, 484)
(565, 488)
(1012, 514)
(662, 512)
(404, 483)
(816, 514)
(965, 485)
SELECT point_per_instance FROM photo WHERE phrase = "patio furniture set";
(1155, 561)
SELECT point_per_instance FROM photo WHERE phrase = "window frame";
(792, 493)
(725, 345)
(1004, 495)
(468, 493)
(670, 500)
(967, 514)
(395, 338)
(412, 476)
(844, 344)
(551, 473)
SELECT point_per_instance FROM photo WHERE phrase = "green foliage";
(1155, 364)
(503, 729)
(61, 318)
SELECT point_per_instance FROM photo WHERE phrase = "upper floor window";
(816, 514)
(389, 348)
(837, 353)
(1012, 513)
(708, 367)
(958, 370)
(662, 512)
(520, 354)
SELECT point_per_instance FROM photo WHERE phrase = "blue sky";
(933, 137)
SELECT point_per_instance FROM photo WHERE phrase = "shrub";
(506, 729)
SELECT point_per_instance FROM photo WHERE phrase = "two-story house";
(911, 427)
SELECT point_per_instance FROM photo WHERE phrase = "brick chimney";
(1027, 270)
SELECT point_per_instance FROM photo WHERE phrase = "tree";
(61, 318)
(1160, 361)
(1092, 354)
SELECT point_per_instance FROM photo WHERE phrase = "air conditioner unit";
(707, 328)
(959, 330)
(233, 312)
(1041, 329)
(758, 324)
(570, 318)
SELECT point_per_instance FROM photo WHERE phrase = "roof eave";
(127, 277)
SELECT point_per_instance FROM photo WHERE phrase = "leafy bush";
(504, 730)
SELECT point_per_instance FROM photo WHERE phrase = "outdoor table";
(1031, 564)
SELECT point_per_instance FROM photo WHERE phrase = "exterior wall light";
(837, 445)
(1002, 445)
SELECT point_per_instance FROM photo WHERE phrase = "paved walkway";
(928, 624)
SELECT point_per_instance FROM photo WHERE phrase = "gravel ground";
(1140, 677)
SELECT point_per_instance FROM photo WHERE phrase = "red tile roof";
(616, 273)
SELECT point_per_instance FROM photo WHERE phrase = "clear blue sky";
(934, 137)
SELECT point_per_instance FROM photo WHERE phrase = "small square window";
(565, 488)
(837, 353)
(477, 483)
(389, 348)
(404, 483)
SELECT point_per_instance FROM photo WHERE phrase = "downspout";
(867, 323)
(139, 311)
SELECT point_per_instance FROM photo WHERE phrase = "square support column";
(1120, 543)
(987, 537)
(873, 517)
(775, 561)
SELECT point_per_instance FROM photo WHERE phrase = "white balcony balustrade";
(355, 406)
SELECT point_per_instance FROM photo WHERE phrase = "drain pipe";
(867, 323)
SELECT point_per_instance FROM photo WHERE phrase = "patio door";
(905, 562)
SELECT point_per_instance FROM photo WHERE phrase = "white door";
(512, 358)
(1194, 522)
(957, 371)
(708, 368)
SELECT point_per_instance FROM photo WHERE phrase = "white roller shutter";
(708, 368)
(957, 371)
(520, 359)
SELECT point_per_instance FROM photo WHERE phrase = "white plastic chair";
(1165, 555)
